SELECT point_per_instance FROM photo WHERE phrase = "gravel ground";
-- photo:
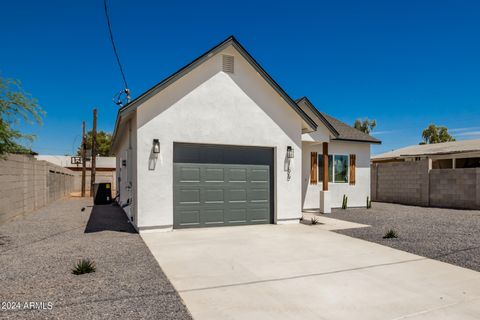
(38, 251)
(448, 235)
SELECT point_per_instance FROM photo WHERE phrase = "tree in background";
(16, 105)
(434, 134)
(365, 126)
(103, 143)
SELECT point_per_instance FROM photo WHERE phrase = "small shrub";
(344, 202)
(313, 221)
(369, 203)
(390, 234)
(84, 266)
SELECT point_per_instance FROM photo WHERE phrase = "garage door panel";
(237, 215)
(213, 196)
(237, 175)
(188, 218)
(259, 195)
(189, 174)
(189, 196)
(258, 215)
(213, 216)
(259, 175)
(214, 175)
(236, 195)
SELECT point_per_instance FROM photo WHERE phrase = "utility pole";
(84, 160)
(94, 151)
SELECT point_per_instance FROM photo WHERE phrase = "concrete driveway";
(307, 272)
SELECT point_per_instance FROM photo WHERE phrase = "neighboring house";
(105, 169)
(220, 143)
(446, 155)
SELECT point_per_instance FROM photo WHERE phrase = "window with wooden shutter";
(352, 169)
(313, 168)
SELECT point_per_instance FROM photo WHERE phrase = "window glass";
(341, 169)
(320, 168)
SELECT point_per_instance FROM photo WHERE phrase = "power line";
(127, 91)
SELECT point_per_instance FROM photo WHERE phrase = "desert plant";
(369, 203)
(313, 220)
(84, 266)
(344, 202)
(390, 234)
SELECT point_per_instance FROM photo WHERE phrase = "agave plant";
(84, 266)
(313, 220)
(390, 234)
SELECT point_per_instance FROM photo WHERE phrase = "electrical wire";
(127, 91)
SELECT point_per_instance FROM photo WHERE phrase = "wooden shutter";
(313, 168)
(352, 169)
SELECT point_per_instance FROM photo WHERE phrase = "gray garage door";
(210, 190)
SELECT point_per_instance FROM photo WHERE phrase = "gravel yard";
(38, 251)
(448, 235)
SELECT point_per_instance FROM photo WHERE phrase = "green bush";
(84, 266)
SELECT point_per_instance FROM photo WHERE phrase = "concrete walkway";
(305, 272)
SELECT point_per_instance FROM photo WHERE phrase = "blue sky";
(404, 63)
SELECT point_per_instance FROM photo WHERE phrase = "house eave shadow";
(108, 217)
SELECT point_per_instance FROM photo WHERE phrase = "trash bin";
(102, 193)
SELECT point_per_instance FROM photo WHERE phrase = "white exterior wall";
(125, 150)
(212, 107)
(357, 194)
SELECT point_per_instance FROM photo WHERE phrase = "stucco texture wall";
(357, 194)
(212, 107)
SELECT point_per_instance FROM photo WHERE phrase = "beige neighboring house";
(105, 171)
(446, 155)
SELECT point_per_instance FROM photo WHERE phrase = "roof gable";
(207, 55)
(339, 129)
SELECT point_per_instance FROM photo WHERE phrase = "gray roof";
(339, 129)
(452, 147)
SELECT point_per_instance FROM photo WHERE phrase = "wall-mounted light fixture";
(289, 157)
(156, 146)
(289, 152)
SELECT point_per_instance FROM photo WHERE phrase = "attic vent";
(227, 64)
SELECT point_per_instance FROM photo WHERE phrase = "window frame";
(332, 174)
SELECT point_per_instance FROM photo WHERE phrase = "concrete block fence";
(416, 183)
(27, 184)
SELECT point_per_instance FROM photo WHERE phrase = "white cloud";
(464, 129)
(468, 133)
(374, 133)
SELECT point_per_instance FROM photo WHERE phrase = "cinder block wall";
(456, 188)
(27, 184)
(414, 183)
(401, 182)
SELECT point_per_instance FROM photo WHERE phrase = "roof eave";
(319, 115)
(359, 140)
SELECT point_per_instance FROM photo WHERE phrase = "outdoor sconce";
(289, 152)
(156, 146)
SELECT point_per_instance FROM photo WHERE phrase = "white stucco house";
(221, 143)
